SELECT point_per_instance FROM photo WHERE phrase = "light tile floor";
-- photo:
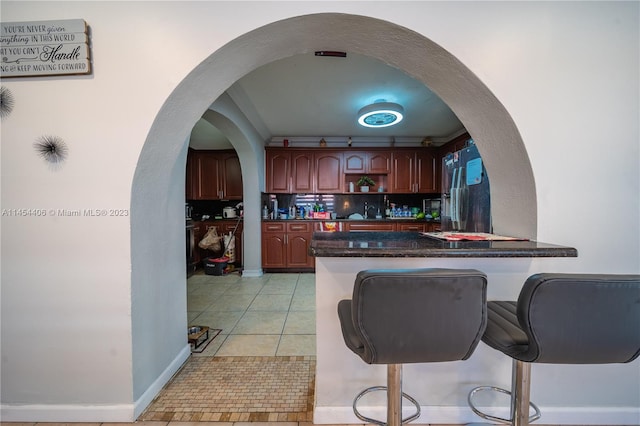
(272, 315)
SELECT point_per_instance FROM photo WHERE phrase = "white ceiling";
(312, 97)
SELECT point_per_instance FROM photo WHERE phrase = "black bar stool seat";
(562, 319)
(412, 316)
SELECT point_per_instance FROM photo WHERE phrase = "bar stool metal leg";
(394, 399)
(394, 394)
(521, 377)
(520, 397)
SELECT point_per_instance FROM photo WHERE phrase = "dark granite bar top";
(387, 219)
(413, 244)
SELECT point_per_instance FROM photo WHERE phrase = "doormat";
(213, 332)
(238, 389)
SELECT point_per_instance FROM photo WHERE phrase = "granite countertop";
(413, 244)
(388, 219)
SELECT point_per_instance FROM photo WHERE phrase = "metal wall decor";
(53, 149)
(6, 102)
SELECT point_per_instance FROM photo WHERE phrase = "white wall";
(108, 334)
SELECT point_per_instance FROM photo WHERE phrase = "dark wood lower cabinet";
(285, 246)
(285, 243)
(223, 227)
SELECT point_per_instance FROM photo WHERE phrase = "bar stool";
(412, 316)
(562, 319)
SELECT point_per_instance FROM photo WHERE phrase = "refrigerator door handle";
(454, 199)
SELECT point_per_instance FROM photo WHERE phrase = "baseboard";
(464, 415)
(152, 391)
(107, 413)
(66, 413)
(252, 273)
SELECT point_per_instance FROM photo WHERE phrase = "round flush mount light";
(380, 114)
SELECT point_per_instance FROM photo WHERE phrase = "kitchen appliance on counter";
(229, 213)
(466, 196)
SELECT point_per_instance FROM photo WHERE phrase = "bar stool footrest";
(486, 416)
(379, 422)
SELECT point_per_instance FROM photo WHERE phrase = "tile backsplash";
(345, 204)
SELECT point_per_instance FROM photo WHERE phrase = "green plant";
(365, 181)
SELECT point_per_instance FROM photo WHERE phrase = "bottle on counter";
(265, 212)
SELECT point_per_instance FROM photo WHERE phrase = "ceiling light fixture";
(380, 114)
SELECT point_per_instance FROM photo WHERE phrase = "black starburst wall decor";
(6, 102)
(52, 149)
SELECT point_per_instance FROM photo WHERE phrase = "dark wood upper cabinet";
(278, 168)
(231, 182)
(328, 172)
(355, 162)
(302, 172)
(374, 162)
(298, 171)
(213, 175)
(208, 176)
(325, 171)
(415, 171)
(379, 162)
(427, 171)
(403, 164)
(454, 145)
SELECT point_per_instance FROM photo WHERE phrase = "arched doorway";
(158, 185)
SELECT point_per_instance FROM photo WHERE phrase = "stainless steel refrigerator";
(466, 196)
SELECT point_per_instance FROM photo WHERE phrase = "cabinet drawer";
(420, 227)
(299, 227)
(362, 226)
(230, 227)
(273, 227)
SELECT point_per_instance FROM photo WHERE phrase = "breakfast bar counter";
(416, 244)
(440, 388)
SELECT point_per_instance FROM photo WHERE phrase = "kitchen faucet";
(366, 209)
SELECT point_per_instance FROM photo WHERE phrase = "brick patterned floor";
(236, 389)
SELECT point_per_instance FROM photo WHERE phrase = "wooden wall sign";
(39, 48)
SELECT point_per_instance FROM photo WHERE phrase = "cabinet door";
(426, 176)
(231, 181)
(298, 241)
(302, 172)
(198, 234)
(328, 171)
(191, 176)
(208, 172)
(278, 165)
(297, 250)
(403, 171)
(274, 248)
(355, 162)
(379, 162)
